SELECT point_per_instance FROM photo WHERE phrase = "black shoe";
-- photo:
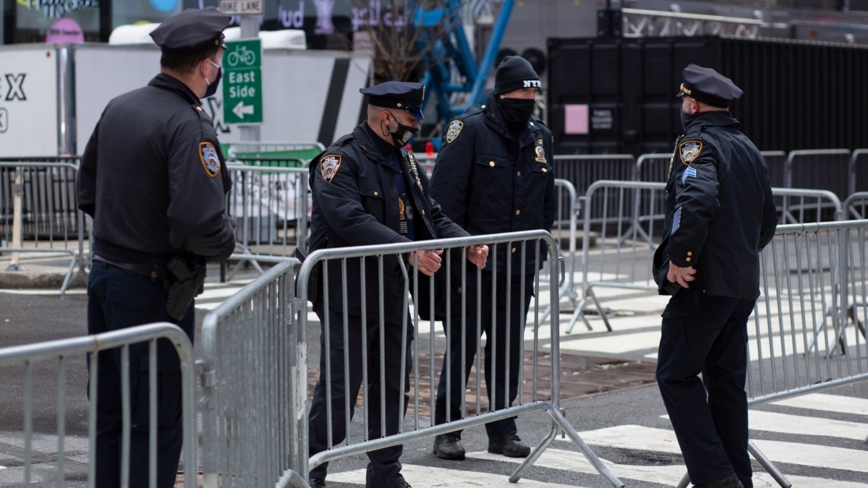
(448, 446)
(509, 446)
(317, 483)
(729, 482)
(403, 484)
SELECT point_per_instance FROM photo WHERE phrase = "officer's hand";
(680, 275)
(478, 255)
(428, 262)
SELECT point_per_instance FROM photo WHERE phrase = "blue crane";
(452, 47)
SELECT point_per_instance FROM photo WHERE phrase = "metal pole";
(17, 190)
(249, 30)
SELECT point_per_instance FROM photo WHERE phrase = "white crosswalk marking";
(797, 425)
(828, 403)
(661, 440)
(429, 477)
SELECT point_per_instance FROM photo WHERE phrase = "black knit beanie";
(514, 73)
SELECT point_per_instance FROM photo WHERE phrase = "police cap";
(397, 94)
(191, 31)
(708, 86)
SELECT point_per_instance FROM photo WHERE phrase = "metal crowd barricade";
(582, 170)
(565, 228)
(254, 385)
(271, 206)
(39, 211)
(257, 149)
(809, 332)
(858, 171)
(856, 206)
(632, 226)
(381, 259)
(653, 167)
(60, 351)
(826, 169)
(776, 162)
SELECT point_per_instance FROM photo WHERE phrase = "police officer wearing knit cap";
(495, 173)
(153, 179)
(719, 216)
(368, 190)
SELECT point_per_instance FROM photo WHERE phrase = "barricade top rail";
(631, 185)
(773, 153)
(561, 157)
(404, 247)
(237, 165)
(38, 164)
(236, 300)
(817, 152)
(94, 343)
(316, 144)
(820, 226)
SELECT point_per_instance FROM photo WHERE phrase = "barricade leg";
(768, 465)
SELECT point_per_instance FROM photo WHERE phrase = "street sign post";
(242, 82)
(241, 7)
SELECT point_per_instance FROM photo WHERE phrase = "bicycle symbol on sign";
(241, 55)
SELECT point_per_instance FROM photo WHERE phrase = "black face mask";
(687, 118)
(403, 135)
(515, 111)
(212, 87)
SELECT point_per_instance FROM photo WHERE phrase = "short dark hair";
(186, 62)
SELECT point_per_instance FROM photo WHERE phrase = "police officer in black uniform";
(368, 190)
(153, 179)
(719, 217)
(494, 174)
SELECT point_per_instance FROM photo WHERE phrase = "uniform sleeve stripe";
(676, 220)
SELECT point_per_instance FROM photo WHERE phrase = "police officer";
(719, 217)
(368, 190)
(153, 179)
(494, 174)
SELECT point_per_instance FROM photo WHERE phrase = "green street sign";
(242, 82)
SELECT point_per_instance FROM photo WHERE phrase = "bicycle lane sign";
(242, 82)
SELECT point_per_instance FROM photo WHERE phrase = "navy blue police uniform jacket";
(154, 179)
(355, 203)
(719, 209)
(488, 181)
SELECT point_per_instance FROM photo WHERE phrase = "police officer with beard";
(368, 190)
(494, 174)
(719, 217)
(154, 180)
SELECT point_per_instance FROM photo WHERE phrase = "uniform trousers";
(498, 333)
(119, 299)
(384, 468)
(707, 335)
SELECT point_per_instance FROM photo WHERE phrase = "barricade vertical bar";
(479, 338)
(404, 323)
(125, 412)
(346, 338)
(521, 325)
(61, 423)
(492, 403)
(536, 323)
(28, 419)
(463, 335)
(152, 415)
(326, 329)
(91, 420)
(447, 356)
(365, 397)
(508, 331)
(382, 348)
(417, 300)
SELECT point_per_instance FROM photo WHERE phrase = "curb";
(23, 280)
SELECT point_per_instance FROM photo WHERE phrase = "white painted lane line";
(430, 477)
(814, 426)
(828, 403)
(666, 475)
(660, 440)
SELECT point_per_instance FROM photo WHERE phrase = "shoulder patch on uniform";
(454, 129)
(329, 165)
(209, 158)
(689, 151)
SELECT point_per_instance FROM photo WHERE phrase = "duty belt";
(152, 271)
